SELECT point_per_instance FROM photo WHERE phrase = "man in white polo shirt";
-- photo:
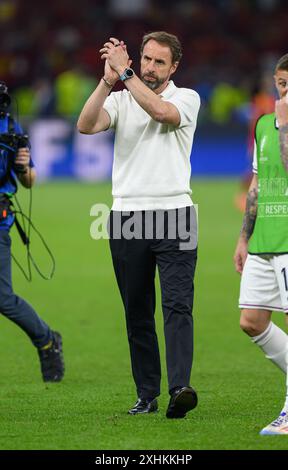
(154, 123)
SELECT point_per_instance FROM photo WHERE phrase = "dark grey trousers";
(14, 307)
(135, 262)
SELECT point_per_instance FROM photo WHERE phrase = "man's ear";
(174, 67)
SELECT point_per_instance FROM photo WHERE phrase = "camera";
(13, 142)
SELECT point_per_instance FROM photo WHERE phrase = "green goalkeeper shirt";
(270, 234)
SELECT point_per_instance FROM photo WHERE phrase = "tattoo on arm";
(283, 134)
(250, 213)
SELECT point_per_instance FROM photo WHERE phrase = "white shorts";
(264, 283)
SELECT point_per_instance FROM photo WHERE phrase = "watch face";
(129, 73)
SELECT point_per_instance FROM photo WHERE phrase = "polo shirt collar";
(169, 90)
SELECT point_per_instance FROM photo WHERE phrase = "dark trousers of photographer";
(14, 307)
(135, 262)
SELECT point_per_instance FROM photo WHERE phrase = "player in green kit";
(261, 255)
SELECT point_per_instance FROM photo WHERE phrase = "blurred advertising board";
(60, 151)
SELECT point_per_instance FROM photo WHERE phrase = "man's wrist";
(121, 69)
(127, 74)
(108, 83)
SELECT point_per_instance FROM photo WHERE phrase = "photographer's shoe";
(51, 360)
(144, 406)
(182, 400)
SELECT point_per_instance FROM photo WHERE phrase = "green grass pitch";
(239, 390)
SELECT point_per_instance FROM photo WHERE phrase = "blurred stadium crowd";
(49, 51)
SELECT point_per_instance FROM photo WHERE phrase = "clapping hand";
(116, 57)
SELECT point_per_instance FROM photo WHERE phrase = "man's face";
(281, 82)
(156, 64)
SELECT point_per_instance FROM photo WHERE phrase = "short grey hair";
(168, 40)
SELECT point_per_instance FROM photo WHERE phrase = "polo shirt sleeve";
(188, 103)
(111, 106)
(255, 163)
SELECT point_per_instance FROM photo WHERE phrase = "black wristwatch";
(128, 73)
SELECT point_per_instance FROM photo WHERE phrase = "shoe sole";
(272, 433)
(186, 401)
(142, 412)
(154, 409)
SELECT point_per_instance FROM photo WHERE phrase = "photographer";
(16, 164)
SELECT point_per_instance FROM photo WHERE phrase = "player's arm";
(27, 178)
(247, 226)
(250, 211)
(281, 110)
(93, 118)
(159, 110)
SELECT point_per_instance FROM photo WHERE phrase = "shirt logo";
(263, 142)
(263, 158)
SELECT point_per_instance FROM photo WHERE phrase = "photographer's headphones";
(5, 99)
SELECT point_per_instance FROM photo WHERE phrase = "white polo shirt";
(151, 168)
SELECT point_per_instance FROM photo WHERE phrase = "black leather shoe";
(144, 406)
(182, 400)
(52, 361)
